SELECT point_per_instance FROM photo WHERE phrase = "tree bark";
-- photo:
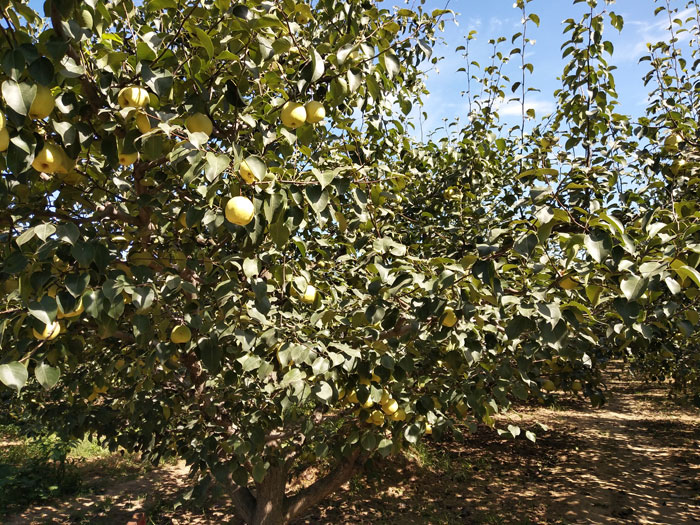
(243, 501)
(270, 506)
(323, 487)
(269, 495)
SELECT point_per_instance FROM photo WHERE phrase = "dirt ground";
(636, 460)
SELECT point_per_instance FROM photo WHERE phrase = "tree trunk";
(323, 487)
(270, 506)
(269, 496)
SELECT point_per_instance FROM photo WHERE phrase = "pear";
(240, 210)
(134, 97)
(315, 112)
(43, 103)
(50, 159)
(199, 122)
(4, 139)
(293, 115)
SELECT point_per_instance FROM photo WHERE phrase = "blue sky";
(492, 18)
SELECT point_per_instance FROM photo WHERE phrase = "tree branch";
(93, 97)
(243, 500)
(328, 484)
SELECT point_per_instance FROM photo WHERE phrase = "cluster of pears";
(240, 210)
(389, 407)
(295, 114)
(53, 330)
(137, 98)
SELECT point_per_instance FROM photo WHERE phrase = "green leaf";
(47, 375)
(26, 236)
(84, 253)
(44, 310)
(76, 283)
(412, 433)
(18, 96)
(68, 232)
(598, 244)
(216, 164)
(14, 375)
(211, 354)
(633, 287)
(44, 231)
(391, 63)
(368, 441)
(688, 272)
(318, 66)
(15, 263)
(259, 471)
(205, 41)
(42, 71)
(317, 197)
(323, 391)
(385, 447)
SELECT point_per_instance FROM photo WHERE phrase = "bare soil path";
(636, 460)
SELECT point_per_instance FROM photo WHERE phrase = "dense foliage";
(196, 262)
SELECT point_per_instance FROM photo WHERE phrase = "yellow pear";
(183, 220)
(548, 385)
(199, 122)
(127, 159)
(143, 123)
(181, 334)
(390, 407)
(50, 332)
(133, 96)
(65, 165)
(377, 417)
(449, 319)
(239, 210)
(672, 141)
(3, 121)
(399, 415)
(428, 429)
(4, 139)
(352, 397)
(315, 112)
(309, 294)
(49, 159)
(293, 115)
(369, 403)
(246, 173)
(43, 103)
(576, 386)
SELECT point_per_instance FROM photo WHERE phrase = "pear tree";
(219, 240)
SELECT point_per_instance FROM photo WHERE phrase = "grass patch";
(33, 469)
(36, 469)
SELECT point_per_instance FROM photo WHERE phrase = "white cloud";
(513, 108)
(632, 44)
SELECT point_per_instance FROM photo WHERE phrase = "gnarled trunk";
(271, 506)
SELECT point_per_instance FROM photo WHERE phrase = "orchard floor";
(636, 460)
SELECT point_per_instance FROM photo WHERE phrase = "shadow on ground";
(636, 460)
